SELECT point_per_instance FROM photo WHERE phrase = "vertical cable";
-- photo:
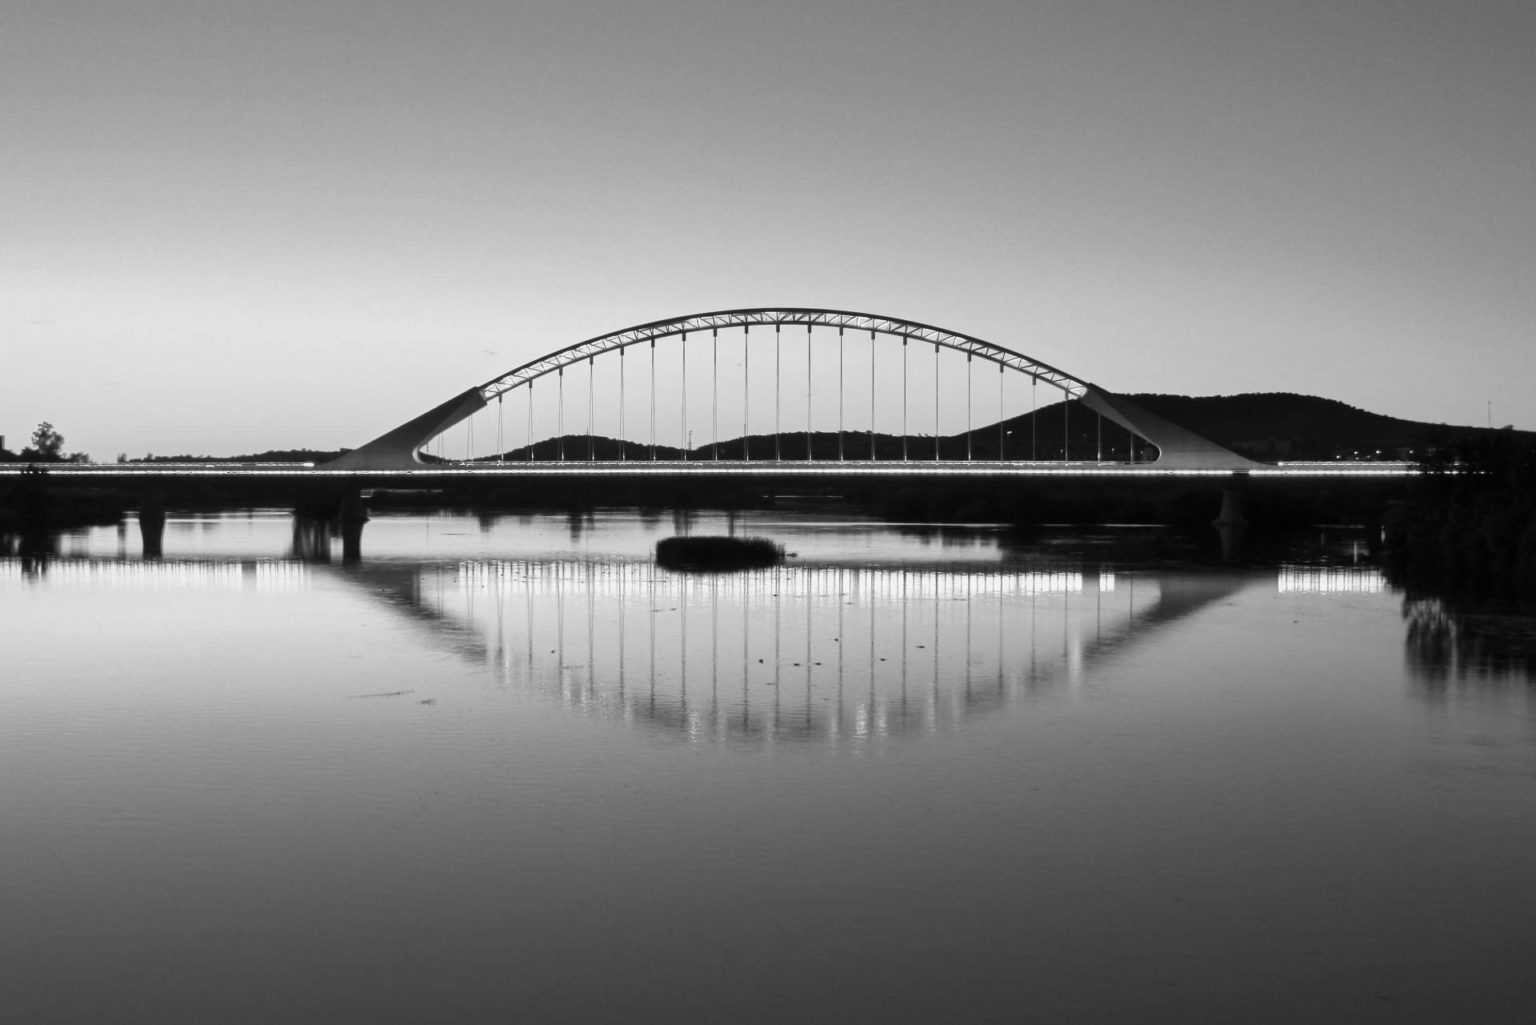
(967, 406)
(530, 420)
(839, 394)
(560, 414)
(1034, 434)
(935, 401)
(871, 394)
(623, 439)
(746, 392)
(683, 445)
(714, 391)
(1066, 424)
(501, 451)
(1002, 436)
(807, 393)
(778, 377)
(903, 398)
(591, 426)
(653, 400)
(1098, 440)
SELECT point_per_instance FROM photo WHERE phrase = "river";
(506, 769)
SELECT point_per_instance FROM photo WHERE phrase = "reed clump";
(718, 553)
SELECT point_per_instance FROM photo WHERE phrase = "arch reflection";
(838, 654)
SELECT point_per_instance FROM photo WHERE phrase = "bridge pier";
(152, 523)
(1230, 521)
(353, 515)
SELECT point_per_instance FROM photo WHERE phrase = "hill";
(1282, 425)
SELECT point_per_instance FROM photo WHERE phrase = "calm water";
(507, 770)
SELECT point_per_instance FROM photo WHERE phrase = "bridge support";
(152, 524)
(1230, 521)
(353, 515)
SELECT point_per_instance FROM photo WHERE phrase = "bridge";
(757, 397)
(840, 397)
(812, 393)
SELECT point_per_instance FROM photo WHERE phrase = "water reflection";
(822, 653)
(808, 654)
(1445, 646)
(1303, 579)
(267, 576)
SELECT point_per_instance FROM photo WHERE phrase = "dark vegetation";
(718, 553)
(46, 446)
(1273, 426)
(277, 455)
(1469, 530)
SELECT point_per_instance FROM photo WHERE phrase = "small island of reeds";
(718, 553)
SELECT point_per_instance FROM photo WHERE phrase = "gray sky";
(228, 227)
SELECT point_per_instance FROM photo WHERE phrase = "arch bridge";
(850, 387)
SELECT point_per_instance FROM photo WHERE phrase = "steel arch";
(781, 317)
(1178, 448)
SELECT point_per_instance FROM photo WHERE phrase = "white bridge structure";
(861, 389)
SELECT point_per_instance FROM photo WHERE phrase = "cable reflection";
(265, 575)
(839, 654)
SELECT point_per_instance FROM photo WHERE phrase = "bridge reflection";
(841, 654)
(838, 654)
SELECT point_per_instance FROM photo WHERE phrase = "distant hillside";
(1281, 425)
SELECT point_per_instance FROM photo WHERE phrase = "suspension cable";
(778, 378)
(683, 445)
(807, 393)
(1034, 433)
(1002, 436)
(653, 400)
(839, 394)
(560, 415)
(1066, 426)
(746, 392)
(591, 410)
(935, 402)
(871, 395)
(967, 406)
(903, 398)
(714, 392)
(501, 451)
(530, 421)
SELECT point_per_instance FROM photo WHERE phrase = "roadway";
(579, 468)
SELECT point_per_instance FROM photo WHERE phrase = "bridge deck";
(713, 468)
